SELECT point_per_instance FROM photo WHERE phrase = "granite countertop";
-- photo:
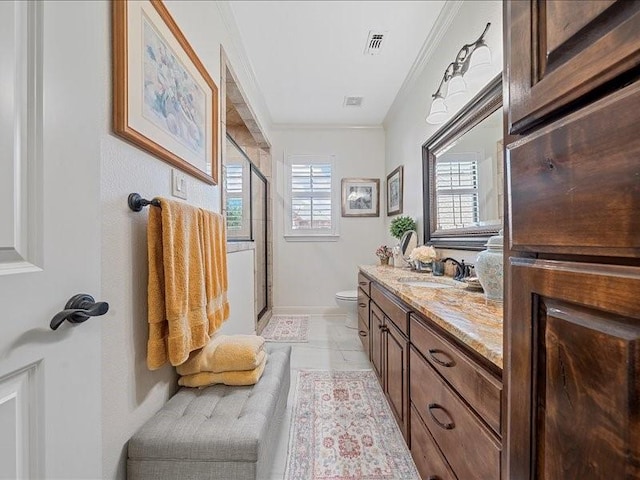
(468, 315)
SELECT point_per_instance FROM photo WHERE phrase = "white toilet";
(348, 301)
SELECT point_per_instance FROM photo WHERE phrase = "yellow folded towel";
(187, 280)
(203, 379)
(226, 353)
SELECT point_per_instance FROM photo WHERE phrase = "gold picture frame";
(360, 197)
(164, 101)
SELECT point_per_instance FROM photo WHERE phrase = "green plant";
(401, 224)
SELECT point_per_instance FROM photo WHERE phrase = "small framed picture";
(360, 197)
(394, 191)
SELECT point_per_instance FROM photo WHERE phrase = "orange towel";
(204, 379)
(183, 276)
(225, 353)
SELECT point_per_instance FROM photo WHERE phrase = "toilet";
(348, 301)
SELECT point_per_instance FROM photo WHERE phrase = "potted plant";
(384, 253)
(400, 225)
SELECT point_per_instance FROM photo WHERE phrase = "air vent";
(352, 101)
(374, 42)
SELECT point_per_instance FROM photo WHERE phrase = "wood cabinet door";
(559, 52)
(395, 373)
(376, 333)
(573, 371)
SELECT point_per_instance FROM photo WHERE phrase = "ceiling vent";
(374, 42)
(352, 101)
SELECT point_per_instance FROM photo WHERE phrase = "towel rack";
(137, 203)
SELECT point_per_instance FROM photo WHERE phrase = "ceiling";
(308, 55)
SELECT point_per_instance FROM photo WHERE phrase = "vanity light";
(473, 57)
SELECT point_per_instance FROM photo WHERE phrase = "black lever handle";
(78, 309)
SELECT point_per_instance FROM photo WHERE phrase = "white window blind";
(236, 180)
(457, 190)
(311, 209)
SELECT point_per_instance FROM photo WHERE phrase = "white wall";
(241, 295)
(308, 274)
(405, 125)
(131, 394)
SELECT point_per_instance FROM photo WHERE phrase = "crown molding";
(323, 126)
(440, 27)
(229, 21)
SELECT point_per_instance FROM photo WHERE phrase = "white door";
(51, 109)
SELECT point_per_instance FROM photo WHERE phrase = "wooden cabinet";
(363, 320)
(446, 400)
(472, 450)
(560, 53)
(389, 353)
(578, 382)
(572, 309)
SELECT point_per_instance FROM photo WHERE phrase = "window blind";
(311, 206)
(457, 191)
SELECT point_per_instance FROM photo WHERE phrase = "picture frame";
(360, 197)
(164, 100)
(395, 185)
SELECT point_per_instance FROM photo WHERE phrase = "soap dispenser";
(489, 268)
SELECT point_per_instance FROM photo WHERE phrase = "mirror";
(463, 175)
(408, 242)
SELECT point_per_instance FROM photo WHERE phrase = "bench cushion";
(229, 425)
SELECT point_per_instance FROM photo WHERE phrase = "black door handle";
(78, 309)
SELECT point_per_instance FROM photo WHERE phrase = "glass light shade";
(480, 59)
(456, 86)
(438, 111)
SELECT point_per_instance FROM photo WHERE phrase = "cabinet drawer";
(575, 185)
(425, 452)
(393, 310)
(470, 448)
(363, 306)
(363, 333)
(478, 387)
(364, 283)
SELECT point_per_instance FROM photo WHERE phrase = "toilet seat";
(348, 295)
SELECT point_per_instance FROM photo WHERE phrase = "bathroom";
(349, 87)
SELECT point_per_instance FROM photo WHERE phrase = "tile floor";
(332, 346)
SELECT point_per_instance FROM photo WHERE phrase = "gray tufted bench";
(215, 433)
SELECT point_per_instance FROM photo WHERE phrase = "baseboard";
(305, 310)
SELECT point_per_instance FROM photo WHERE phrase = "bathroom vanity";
(436, 348)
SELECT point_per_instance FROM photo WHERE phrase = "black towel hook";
(137, 203)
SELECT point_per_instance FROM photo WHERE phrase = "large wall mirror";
(462, 167)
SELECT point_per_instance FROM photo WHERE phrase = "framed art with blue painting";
(164, 101)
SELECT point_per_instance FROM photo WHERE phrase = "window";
(236, 184)
(310, 197)
(457, 190)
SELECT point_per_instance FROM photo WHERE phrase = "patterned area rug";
(342, 428)
(287, 328)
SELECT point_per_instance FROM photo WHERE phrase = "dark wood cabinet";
(363, 320)
(574, 401)
(389, 353)
(572, 303)
(559, 53)
(377, 342)
(397, 351)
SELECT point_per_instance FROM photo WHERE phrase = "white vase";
(489, 268)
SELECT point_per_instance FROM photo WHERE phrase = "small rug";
(287, 328)
(342, 428)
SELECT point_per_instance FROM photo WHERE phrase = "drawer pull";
(446, 425)
(362, 333)
(363, 305)
(362, 283)
(433, 477)
(445, 363)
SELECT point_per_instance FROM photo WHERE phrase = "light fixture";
(473, 57)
